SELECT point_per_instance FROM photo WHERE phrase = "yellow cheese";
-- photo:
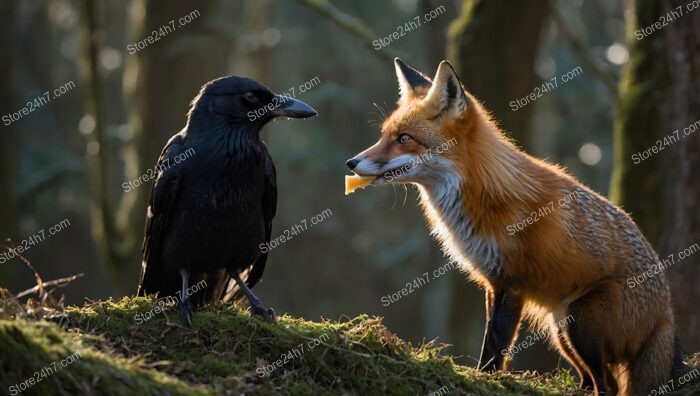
(354, 182)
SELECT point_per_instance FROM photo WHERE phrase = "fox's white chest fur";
(444, 205)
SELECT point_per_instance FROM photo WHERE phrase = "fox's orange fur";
(573, 261)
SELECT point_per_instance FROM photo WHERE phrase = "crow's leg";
(256, 306)
(186, 309)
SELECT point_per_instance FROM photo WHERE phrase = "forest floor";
(119, 348)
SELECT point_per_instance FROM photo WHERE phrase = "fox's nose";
(352, 163)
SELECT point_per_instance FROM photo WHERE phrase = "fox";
(542, 245)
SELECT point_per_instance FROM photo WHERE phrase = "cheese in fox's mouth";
(353, 182)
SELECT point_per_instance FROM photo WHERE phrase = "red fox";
(479, 195)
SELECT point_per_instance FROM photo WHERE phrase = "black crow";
(214, 197)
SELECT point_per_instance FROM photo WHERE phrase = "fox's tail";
(678, 365)
(656, 361)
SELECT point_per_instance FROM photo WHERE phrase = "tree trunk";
(660, 94)
(8, 148)
(681, 227)
(493, 50)
(103, 227)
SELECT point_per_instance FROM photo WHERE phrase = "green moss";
(227, 350)
(60, 362)
(290, 356)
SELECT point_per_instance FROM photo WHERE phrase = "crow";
(214, 197)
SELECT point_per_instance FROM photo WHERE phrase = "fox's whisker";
(393, 205)
(384, 112)
(405, 197)
(372, 120)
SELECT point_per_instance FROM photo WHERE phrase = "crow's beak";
(292, 108)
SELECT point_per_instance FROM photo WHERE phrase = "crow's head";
(244, 100)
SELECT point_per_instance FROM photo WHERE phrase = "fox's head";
(420, 140)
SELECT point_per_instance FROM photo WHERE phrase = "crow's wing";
(252, 274)
(155, 278)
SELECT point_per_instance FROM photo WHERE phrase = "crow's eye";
(403, 138)
(250, 97)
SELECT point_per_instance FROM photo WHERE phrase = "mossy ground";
(226, 351)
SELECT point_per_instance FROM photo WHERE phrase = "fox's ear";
(412, 83)
(447, 94)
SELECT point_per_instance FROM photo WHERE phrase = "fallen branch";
(62, 282)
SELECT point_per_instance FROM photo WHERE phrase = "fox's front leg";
(503, 310)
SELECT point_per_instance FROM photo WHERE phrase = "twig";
(39, 282)
(62, 282)
(579, 49)
(354, 26)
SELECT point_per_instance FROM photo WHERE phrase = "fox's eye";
(250, 97)
(403, 138)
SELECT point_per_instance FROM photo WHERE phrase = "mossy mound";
(42, 359)
(126, 350)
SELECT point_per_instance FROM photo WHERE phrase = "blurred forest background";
(115, 107)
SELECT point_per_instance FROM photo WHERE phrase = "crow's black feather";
(215, 196)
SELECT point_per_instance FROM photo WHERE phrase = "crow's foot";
(267, 314)
(187, 312)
